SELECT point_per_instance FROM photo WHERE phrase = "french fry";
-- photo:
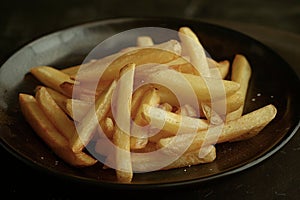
(161, 53)
(88, 125)
(172, 122)
(55, 114)
(187, 82)
(107, 126)
(195, 50)
(240, 73)
(58, 97)
(218, 69)
(139, 138)
(52, 78)
(224, 68)
(37, 119)
(81, 106)
(72, 70)
(250, 123)
(121, 136)
(137, 98)
(193, 158)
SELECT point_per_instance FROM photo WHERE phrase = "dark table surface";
(275, 23)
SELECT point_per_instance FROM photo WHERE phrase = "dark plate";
(273, 81)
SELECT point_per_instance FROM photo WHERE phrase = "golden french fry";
(159, 134)
(58, 97)
(107, 126)
(172, 122)
(89, 123)
(81, 106)
(160, 53)
(218, 69)
(211, 115)
(121, 136)
(189, 83)
(183, 65)
(139, 138)
(224, 68)
(240, 73)
(250, 123)
(137, 97)
(195, 50)
(71, 71)
(41, 124)
(192, 158)
(55, 114)
(52, 78)
(187, 110)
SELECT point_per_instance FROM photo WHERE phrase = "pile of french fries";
(128, 109)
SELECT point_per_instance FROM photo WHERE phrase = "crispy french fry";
(55, 114)
(160, 53)
(211, 115)
(218, 69)
(107, 126)
(121, 136)
(87, 126)
(186, 82)
(250, 123)
(72, 70)
(240, 73)
(224, 68)
(58, 97)
(137, 98)
(172, 122)
(52, 78)
(81, 106)
(193, 158)
(35, 116)
(139, 138)
(195, 50)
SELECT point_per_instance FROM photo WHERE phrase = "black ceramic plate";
(273, 81)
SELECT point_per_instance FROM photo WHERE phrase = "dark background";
(275, 23)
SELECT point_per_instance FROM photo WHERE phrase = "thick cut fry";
(52, 78)
(107, 126)
(218, 69)
(250, 123)
(55, 114)
(89, 123)
(35, 116)
(161, 53)
(172, 122)
(195, 50)
(186, 82)
(193, 158)
(240, 73)
(58, 97)
(183, 65)
(137, 98)
(139, 138)
(224, 68)
(82, 107)
(121, 136)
